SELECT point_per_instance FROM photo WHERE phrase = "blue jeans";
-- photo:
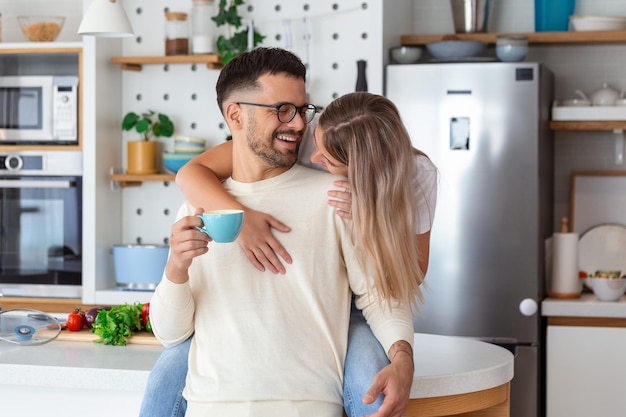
(365, 358)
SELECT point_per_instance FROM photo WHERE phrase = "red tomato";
(145, 314)
(75, 320)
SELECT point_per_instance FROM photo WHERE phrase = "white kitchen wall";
(583, 67)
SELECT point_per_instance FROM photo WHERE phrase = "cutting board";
(141, 338)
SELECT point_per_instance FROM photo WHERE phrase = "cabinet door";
(586, 371)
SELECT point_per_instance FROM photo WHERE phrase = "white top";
(265, 340)
(424, 183)
(587, 305)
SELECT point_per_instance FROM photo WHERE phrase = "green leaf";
(115, 326)
(130, 120)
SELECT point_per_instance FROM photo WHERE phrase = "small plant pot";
(142, 157)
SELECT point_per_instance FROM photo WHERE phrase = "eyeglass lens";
(287, 111)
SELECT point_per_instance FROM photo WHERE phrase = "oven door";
(41, 236)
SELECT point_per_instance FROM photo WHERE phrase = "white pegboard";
(328, 35)
(150, 213)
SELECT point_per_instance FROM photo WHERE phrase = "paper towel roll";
(565, 282)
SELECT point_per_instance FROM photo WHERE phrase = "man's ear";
(233, 115)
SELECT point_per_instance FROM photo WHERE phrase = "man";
(264, 344)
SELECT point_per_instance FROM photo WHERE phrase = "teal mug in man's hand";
(222, 226)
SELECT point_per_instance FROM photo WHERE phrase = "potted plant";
(142, 154)
(235, 43)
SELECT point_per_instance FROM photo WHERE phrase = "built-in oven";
(41, 224)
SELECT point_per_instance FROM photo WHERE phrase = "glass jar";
(176, 33)
(202, 27)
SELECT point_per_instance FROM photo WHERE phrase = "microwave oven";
(38, 110)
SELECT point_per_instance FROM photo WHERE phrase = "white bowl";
(455, 49)
(599, 23)
(405, 54)
(608, 289)
(511, 48)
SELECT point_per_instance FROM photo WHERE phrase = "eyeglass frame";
(295, 110)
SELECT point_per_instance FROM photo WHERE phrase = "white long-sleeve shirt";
(274, 342)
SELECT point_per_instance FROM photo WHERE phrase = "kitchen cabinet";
(585, 373)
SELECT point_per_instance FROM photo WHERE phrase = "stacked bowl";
(185, 149)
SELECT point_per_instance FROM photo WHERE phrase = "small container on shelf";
(202, 27)
(176, 33)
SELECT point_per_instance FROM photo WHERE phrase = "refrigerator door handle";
(528, 307)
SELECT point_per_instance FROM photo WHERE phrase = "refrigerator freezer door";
(480, 124)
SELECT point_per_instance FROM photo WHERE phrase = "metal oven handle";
(36, 184)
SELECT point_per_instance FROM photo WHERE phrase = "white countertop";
(444, 365)
(585, 306)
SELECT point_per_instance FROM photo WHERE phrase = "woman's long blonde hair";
(365, 132)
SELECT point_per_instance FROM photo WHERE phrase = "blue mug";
(223, 226)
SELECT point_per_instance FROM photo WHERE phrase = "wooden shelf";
(136, 63)
(613, 36)
(588, 125)
(127, 180)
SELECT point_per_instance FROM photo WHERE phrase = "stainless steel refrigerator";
(486, 127)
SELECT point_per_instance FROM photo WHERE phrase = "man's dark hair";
(243, 71)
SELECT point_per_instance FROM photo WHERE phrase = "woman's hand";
(260, 245)
(343, 204)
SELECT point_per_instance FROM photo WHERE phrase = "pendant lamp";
(106, 18)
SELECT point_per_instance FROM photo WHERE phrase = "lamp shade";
(106, 18)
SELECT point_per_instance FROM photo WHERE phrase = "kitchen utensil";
(41, 28)
(455, 49)
(608, 289)
(222, 226)
(405, 54)
(600, 23)
(552, 15)
(602, 248)
(604, 96)
(188, 144)
(28, 327)
(581, 101)
(469, 15)
(175, 161)
(139, 267)
(511, 48)
(564, 275)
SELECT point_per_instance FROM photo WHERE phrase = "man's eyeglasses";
(287, 111)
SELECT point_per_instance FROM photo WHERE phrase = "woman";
(389, 194)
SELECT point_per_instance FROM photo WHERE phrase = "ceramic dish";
(456, 49)
(602, 248)
(599, 23)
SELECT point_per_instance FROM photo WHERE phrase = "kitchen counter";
(584, 328)
(451, 374)
(585, 306)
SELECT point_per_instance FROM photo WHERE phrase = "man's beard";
(263, 148)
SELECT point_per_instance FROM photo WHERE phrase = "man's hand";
(186, 242)
(394, 382)
(260, 245)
